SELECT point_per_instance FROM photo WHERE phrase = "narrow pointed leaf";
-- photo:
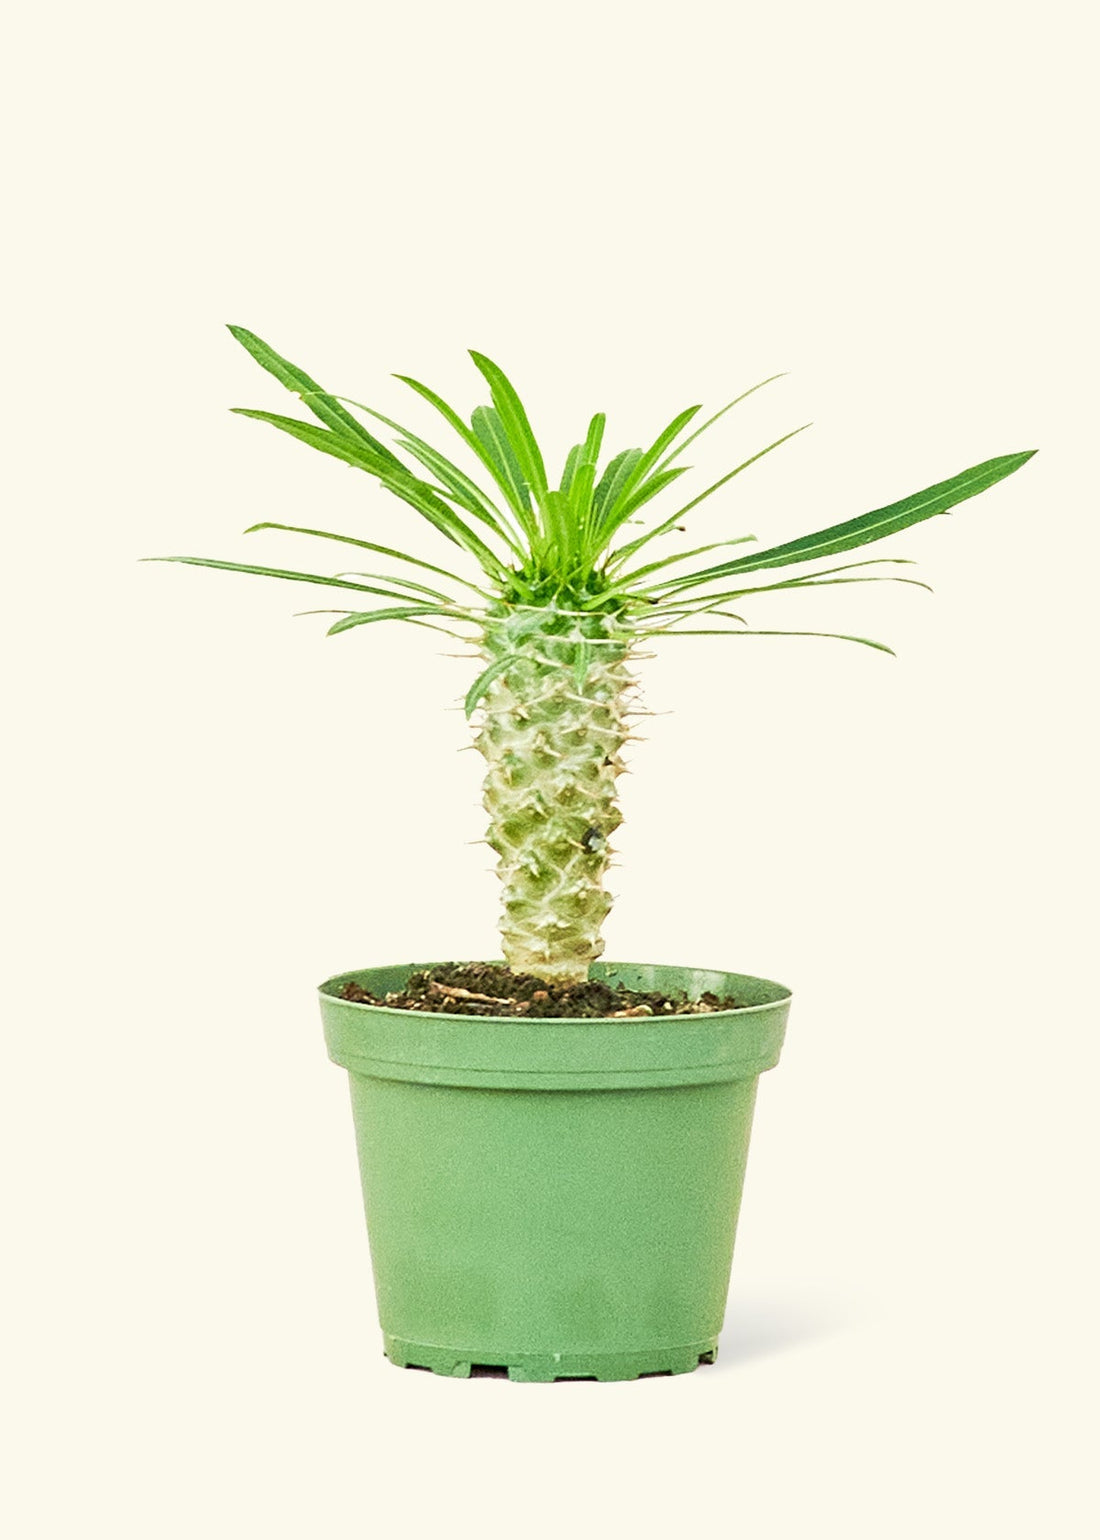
(613, 479)
(323, 406)
(628, 578)
(674, 586)
(369, 545)
(594, 438)
(583, 488)
(426, 501)
(461, 489)
(572, 460)
(708, 600)
(359, 454)
(411, 620)
(399, 582)
(275, 572)
(688, 614)
(881, 522)
(506, 468)
(401, 612)
(613, 512)
(520, 507)
(515, 423)
(481, 684)
(671, 522)
(559, 526)
(835, 636)
(394, 477)
(580, 493)
(829, 582)
(647, 489)
(700, 603)
(581, 664)
(679, 449)
(721, 482)
(464, 491)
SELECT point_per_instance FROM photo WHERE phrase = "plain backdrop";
(211, 806)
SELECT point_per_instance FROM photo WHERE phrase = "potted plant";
(552, 1147)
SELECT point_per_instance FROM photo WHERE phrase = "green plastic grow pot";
(554, 1199)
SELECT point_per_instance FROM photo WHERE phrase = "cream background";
(212, 806)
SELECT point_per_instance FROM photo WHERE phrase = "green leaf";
(572, 460)
(679, 449)
(515, 423)
(642, 494)
(485, 679)
(427, 502)
(401, 582)
(352, 453)
(829, 582)
(560, 528)
(501, 456)
(614, 478)
(408, 619)
(580, 493)
(613, 513)
(404, 612)
(369, 545)
(520, 507)
(464, 491)
(671, 522)
(581, 665)
(395, 478)
(323, 406)
(628, 578)
(880, 522)
(594, 438)
(835, 636)
(689, 614)
(275, 572)
(672, 588)
(738, 469)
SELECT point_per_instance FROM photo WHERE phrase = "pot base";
(542, 1368)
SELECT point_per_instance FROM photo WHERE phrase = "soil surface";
(487, 989)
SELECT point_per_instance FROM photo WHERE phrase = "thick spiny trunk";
(554, 723)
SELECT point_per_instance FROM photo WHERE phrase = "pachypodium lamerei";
(560, 604)
(554, 725)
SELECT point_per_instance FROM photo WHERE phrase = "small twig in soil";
(453, 993)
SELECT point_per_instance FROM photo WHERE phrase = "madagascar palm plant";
(564, 591)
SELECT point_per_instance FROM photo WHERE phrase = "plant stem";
(553, 725)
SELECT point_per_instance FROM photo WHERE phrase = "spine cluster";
(553, 725)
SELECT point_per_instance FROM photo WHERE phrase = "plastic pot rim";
(330, 987)
(562, 1052)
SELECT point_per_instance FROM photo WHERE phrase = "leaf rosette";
(557, 596)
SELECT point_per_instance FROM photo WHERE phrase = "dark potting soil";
(487, 989)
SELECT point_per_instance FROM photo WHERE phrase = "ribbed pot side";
(554, 1199)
